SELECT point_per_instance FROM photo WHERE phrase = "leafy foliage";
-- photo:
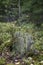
(2, 61)
(13, 9)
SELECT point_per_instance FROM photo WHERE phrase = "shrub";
(2, 61)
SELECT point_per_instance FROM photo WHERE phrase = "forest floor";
(6, 57)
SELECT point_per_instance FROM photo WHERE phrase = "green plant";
(10, 64)
(2, 61)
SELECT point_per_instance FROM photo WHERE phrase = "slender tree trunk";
(19, 9)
